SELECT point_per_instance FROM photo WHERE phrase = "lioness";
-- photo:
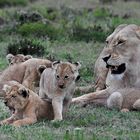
(101, 70)
(26, 106)
(122, 64)
(58, 84)
(14, 59)
(25, 73)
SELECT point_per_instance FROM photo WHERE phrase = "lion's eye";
(120, 42)
(66, 77)
(106, 41)
(13, 96)
(57, 76)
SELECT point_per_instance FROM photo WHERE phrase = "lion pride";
(118, 66)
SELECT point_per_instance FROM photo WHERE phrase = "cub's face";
(65, 73)
(16, 97)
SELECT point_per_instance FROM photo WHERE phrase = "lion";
(26, 106)
(122, 65)
(14, 59)
(25, 73)
(58, 84)
(101, 71)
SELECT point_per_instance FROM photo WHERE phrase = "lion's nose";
(5, 102)
(61, 86)
(106, 58)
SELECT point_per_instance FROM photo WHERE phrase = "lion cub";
(125, 99)
(58, 84)
(15, 59)
(26, 106)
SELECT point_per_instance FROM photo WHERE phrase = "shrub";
(101, 13)
(26, 46)
(26, 17)
(95, 33)
(39, 29)
(13, 2)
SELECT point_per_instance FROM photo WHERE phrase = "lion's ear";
(27, 57)
(9, 57)
(41, 68)
(77, 64)
(24, 92)
(55, 63)
(6, 88)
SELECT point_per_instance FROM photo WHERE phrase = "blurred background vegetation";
(69, 30)
(62, 29)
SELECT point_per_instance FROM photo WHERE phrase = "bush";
(13, 2)
(95, 33)
(26, 46)
(40, 29)
(26, 17)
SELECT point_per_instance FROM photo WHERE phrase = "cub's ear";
(55, 63)
(6, 88)
(77, 78)
(77, 64)
(27, 57)
(24, 92)
(9, 57)
(41, 68)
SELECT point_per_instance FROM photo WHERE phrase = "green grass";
(76, 32)
(79, 124)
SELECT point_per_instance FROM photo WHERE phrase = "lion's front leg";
(57, 104)
(8, 120)
(25, 121)
(66, 105)
(99, 97)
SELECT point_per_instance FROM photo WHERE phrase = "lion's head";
(123, 47)
(16, 97)
(14, 59)
(65, 73)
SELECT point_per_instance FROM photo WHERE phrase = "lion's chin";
(117, 69)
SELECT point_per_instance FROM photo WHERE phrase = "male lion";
(14, 59)
(58, 84)
(25, 73)
(122, 65)
(26, 106)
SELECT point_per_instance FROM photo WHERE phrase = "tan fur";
(123, 47)
(25, 73)
(58, 84)
(124, 99)
(26, 106)
(15, 59)
(101, 71)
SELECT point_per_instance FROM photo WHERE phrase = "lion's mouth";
(12, 109)
(117, 69)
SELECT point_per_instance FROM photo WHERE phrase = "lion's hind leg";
(115, 101)
(136, 105)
